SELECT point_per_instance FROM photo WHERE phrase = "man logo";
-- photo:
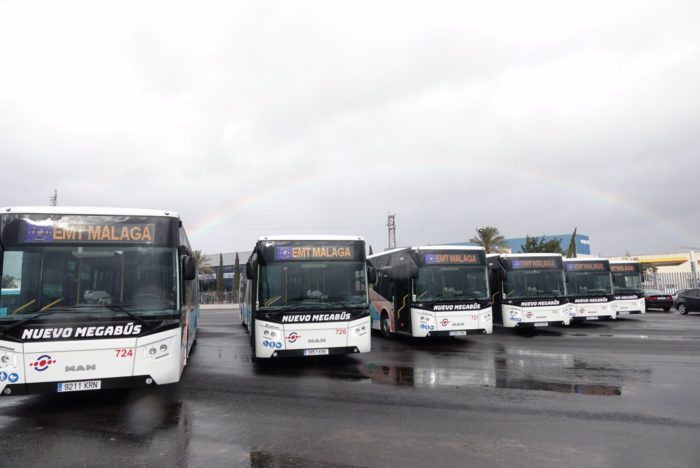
(81, 368)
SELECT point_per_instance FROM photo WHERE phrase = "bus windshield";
(451, 283)
(312, 284)
(95, 280)
(589, 283)
(627, 283)
(534, 283)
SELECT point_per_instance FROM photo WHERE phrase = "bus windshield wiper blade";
(6, 328)
(122, 308)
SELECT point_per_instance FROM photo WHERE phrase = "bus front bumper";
(53, 387)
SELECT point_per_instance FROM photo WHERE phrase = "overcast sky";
(264, 117)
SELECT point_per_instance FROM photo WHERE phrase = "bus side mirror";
(189, 269)
(504, 275)
(249, 271)
(413, 271)
(371, 274)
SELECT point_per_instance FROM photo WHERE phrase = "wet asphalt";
(620, 393)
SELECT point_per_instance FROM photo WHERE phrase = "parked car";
(657, 299)
(688, 301)
(675, 294)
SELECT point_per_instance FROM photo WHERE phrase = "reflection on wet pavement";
(264, 459)
(119, 423)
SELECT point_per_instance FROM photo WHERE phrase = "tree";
(220, 279)
(370, 250)
(534, 244)
(571, 250)
(202, 263)
(647, 269)
(490, 239)
(236, 279)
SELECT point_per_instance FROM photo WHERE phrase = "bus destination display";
(141, 233)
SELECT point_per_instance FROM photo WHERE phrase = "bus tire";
(385, 325)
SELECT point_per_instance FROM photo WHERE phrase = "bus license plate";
(591, 318)
(79, 386)
(316, 352)
(458, 333)
(541, 324)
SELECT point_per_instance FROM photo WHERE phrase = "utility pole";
(391, 224)
(53, 199)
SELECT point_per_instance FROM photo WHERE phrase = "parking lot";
(618, 393)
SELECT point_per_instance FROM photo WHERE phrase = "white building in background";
(665, 263)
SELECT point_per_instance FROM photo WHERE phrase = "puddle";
(582, 389)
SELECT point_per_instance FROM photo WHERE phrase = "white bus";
(307, 296)
(529, 290)
(431, 291)
(94, 298)
(627, 286)
(590, 288)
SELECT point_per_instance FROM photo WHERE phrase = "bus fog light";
(149, 381)
(7, 391)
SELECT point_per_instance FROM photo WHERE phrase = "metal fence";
(210, 297)
(670, 282)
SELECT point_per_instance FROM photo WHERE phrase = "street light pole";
(693, 264)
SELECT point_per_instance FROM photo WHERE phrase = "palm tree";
(202, 263)
(490, 239)
(571, 250)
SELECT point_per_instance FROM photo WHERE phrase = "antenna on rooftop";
(53, 199)
(391, 224)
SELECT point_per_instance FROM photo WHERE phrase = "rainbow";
(601, 196)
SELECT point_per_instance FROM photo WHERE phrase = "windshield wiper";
(286, 307)
(6, 328)
(121, 308)
(336, 300)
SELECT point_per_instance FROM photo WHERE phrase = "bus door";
(402, 304)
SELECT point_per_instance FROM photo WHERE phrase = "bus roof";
(311, 237)
(526, 255)
(448, 247)
(587, 259)
(87, 210)
(456, 248)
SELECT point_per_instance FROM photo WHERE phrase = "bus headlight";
(427, 323)
(360, 330)
(7, 360)
(158, 350)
